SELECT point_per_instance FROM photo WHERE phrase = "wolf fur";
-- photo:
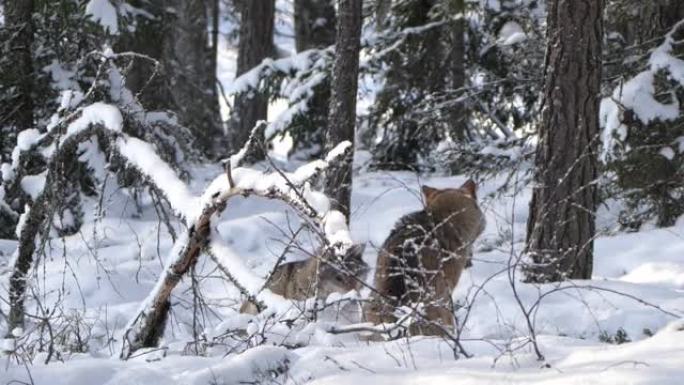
(422, 259)
(297, 280)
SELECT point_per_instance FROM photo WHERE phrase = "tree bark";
(314, 29)
(642, 22)
(314, 24)
(184, 81)
(255, 44)
(382, 10)
(456, 36)
(20, 62)
(561, 225)
(40, 213)
(193, 79)
(342, 118)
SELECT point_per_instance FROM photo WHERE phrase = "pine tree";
(342, 119)
(184, 80)
(314, 29)
(255, 44)
(645, 165)
(421, 60)
(193, 80)
(16, 99)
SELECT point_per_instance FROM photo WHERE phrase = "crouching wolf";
(299, 280)
(422, 259)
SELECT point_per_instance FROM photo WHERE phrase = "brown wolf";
(297, 280)
(423, 258)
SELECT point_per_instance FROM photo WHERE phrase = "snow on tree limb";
(106, 121)
(142, 155)
(145, 329)
(638, 94)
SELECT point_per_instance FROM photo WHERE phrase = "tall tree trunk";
(382, 10)
(149, 83)
(342, 119)
(314, 29)
(16, 110)
(314, 24)
(561, 225)
(215, 19)
(193, 77)
(255, 44)
(640, 22)
(185, 80)
(647, 182)
(456, 37)
(20, 63)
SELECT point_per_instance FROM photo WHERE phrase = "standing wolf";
(423, 258)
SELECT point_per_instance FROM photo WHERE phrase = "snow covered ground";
(111, 265)
(97, 279)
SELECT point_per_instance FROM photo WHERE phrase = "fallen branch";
(147, 327)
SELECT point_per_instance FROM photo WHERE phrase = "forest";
(216, 192)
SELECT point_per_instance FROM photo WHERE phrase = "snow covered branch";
(293, 188)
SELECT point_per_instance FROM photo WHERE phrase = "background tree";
(421, 59)
(561, 225)
(193, 81)
(17, 71)
(342, 119)
(645, 165)
(314, 23)
(183, 81)
(255, 44)
(16, 96)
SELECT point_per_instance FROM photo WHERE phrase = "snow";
(638, 94)
(27, 138)
(22, 221)
(113, 266)
(104, 13)
(7, 172)
(96, 113)
(667, 152)
(62, 77)
(569, 322)
(33, 185)
(142, 155)
(336, 228)
(511, 33)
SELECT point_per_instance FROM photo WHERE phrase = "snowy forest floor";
(102, 274)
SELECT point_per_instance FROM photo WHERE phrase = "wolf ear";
(429, 192)
(470, 187)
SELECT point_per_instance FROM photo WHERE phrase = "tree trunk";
(314, 24)
(149, 83)
(20, 63)
(561, 225)
(314, 29)
(185, 80)
(16, 112)
(382, 10)
(255, 44)
(640, 22)
(456, 56)
(37, 219)
(342, 118)
(193, 80)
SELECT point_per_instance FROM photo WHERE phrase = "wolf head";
(341, 276)
(456, 209)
